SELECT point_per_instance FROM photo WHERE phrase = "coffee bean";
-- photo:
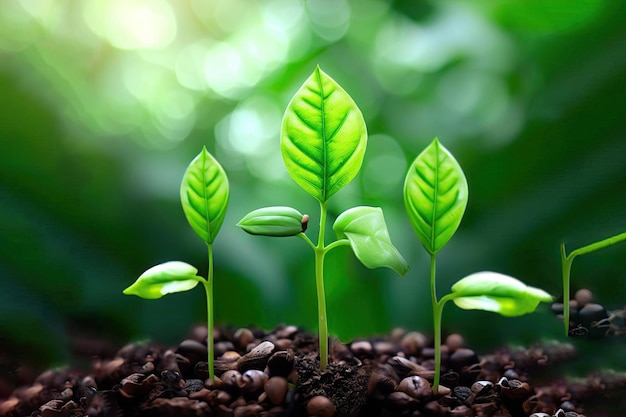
(320, 406)
(362, 349)
(192, 350)
(413, 343)
(276, 389)
(243, 337)
(280, 364)
(401, 401)
(583, 297)
(251, 410)
(454, 342)
(417, 387)
(252, 381)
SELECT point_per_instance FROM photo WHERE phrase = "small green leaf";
(502, 294)
(435, 196)
(323, 137)
(204, 195)
(165, 278)
(274, 221)
(366, 230)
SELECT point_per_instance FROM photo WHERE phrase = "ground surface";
(277, 374)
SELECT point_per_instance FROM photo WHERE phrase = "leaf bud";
(274, 221)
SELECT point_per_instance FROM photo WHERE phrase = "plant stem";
(320, 252)
(566, 266)
(208, 287)
(437, 312)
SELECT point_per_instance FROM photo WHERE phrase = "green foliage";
(323, 137)
(435, 196)
(165, 278)
(498, 293)
(566, 268)
(276, 221)
(366, 230)
(204, 195)
(323, 142)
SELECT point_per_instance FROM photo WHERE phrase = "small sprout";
(323, 141)
(566, 267)
(435, 197)
(204, 196)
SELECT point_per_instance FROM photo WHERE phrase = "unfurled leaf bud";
(274, 221)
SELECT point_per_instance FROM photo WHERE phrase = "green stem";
(320, 252)
(208, 287)
(566, 267)
(437, 312)
(337, 243)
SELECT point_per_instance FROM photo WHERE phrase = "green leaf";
(435, 196)
(204, 195)
(323, 137)
(274, 221)
(491, 291)
(366, 230)
(165, 278)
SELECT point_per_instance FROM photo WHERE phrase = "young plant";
(204, 196)
(566, 267)
(435, 197)
(323, 141)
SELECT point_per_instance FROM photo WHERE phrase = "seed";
(192, 350)
(251, 410)
(276, 389)
(583, 297)
(401, 400)
(417, 387)
(413, 342)
(320, 406)
(257, 358)
(243, 337)
(454, 342)
(362, 348)
(280, 364)
(252, 381)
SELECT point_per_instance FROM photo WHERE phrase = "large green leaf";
(323, 137)
(366, 230)
(165, 278)
(502, 294)
(435, 196)
(204, 195)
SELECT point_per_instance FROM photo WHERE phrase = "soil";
(277, 374)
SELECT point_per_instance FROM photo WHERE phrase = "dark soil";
(277, 374)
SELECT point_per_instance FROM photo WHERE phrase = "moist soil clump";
(276, 374)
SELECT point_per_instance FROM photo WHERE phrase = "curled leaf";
(204, 195)
(165, 278)
(366, 230)
(498, 293)
(274, 221)
(323, 137)
(435, 196)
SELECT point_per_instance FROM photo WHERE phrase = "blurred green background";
(103, 103)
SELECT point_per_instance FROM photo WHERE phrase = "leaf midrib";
(318, 75)
(205, 196)
(433, 234)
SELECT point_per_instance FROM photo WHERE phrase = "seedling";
(566, 267)
(204, 197)
(435, 197)
(323, 141)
